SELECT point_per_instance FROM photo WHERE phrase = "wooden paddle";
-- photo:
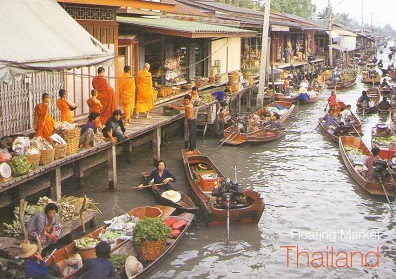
(148, 186)
(386, 195)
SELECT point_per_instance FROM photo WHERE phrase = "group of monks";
(102, 101)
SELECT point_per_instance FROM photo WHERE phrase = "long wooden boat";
(355, 168)
(125, 247)
(328, 131)
(130, 248)
(236, 135)
(385, 91)
(341, 84)
(309, 101)
(376, 79)
(374, 94)
(384, 111)
(185, 203)
(392, 74)
(287, 99)
(383, 137)
(210, 186)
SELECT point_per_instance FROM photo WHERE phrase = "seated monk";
(44, 124)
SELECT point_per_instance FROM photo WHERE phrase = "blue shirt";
(219, 95)
(34, 269)
(157, 178)
(98, 268)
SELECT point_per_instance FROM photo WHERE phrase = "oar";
(326, 106)
(386, 195)
(232, 134)
(148, 186)
(356, 131)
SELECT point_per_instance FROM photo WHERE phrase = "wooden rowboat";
(328, 131)
(355, 167)
(383, 137)
(374, 94)
(309, 101)
(125, 247)
(185, 202)
(342, 84)
(210, 186)
(235, 135)
(357, 126)
(287, 99)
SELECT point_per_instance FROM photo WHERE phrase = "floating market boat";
(383, 137)
(169, 195)
(354, 152)
(374, 94)
(371, 77)
(241, 132)
(356, 128)
(347, 79)
(328, 131)
(60, 259)
(212, 189)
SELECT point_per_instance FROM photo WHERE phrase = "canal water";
(312, 205)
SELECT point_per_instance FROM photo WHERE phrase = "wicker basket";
(151, 250)
(60, 151)
(34, 160)
(47, 156)
(145, 211)
(72, 138)
(87, 253)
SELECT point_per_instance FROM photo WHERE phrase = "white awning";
(280, 28)
(332, 34)
(40, 35)
(339, 48)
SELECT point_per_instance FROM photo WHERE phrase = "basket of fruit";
(86, 247)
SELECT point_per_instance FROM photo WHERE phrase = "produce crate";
(170, 111)
(208, 181)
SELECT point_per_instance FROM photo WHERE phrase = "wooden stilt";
(56, 184)
(238, 100)
(79, 174)
(185, 133)
(130, 149)
(249, 100)
(112, 167)
(156, 145)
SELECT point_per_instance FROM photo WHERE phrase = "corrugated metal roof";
(191, 27)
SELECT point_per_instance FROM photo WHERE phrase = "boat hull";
(250, 212)
(373, 187)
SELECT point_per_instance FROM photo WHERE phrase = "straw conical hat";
(27, 249)
(172, 195)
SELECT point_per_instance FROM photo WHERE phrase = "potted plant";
(150, 234)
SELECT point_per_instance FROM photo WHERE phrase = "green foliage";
(151, 229)
(250, 4)
(303, 8)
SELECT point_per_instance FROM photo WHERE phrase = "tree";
(303, 8)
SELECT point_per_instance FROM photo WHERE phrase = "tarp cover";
(41, 35)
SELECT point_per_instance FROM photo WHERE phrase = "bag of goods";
(5, 155)
(86, 243)
(21, 165)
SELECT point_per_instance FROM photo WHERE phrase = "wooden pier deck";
(141, 131)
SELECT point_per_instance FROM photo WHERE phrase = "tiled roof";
(191, 29)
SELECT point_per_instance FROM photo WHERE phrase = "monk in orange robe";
(105, 95)
(93, 103)
(126, 89)
(44, 124)
(145, 96)
(65, 106)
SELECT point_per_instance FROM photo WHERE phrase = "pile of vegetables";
(384, 140)
(118, 261)
(86, 243)
(13, 229)
(21, 165)
(110, 235)
(353, 150)
(207, 98)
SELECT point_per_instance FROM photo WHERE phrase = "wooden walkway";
(139, 132)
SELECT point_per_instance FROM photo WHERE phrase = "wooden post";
(79, 173)
(156, 145)
(185, 133)
(112, 167)
(239, 98)
(56, 185)
(249, 100)
(130, 149)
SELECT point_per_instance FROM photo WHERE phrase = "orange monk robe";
(93, 106)
(66, 114)
(145, 96)
(44, 124)
(126, 89)
(332, 100)
(105, 96)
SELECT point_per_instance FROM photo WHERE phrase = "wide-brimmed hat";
(303, 90)
(172, 195)
(27, 249)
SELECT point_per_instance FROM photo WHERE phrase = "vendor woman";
(160, 175)
(45, 225)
